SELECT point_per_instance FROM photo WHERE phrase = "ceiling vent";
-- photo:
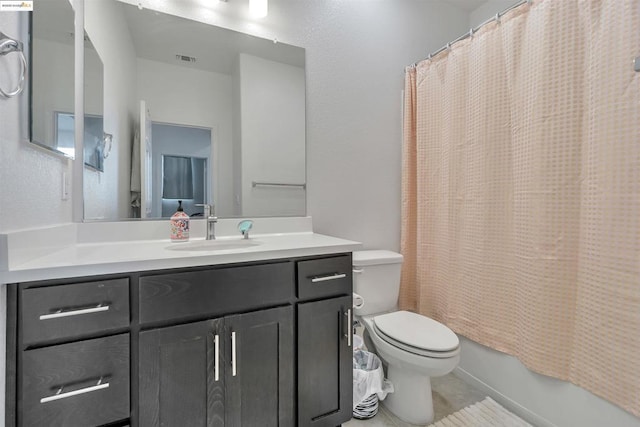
(185, 58)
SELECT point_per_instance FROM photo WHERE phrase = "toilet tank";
(376, 278)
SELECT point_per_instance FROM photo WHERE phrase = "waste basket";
(369, 385)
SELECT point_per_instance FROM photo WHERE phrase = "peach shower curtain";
(521, 191)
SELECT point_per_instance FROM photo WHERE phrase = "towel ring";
(107, 142)
(9, 45)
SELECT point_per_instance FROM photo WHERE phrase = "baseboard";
(524, 413)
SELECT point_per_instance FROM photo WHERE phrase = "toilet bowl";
(412, 347)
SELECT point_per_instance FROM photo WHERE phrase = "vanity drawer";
(199, 294)
(318, 278)
(93, 375)
(68, 311)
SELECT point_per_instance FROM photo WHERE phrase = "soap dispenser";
(179, 225)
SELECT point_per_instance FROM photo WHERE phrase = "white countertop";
(73, 259)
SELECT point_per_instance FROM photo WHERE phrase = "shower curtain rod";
(496, 17)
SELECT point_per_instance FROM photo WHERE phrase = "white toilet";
(413, 347)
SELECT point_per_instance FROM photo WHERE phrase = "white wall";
(54, 86)
(107, 193)
(488, 10)
(356, 56)
(30, 178)
(544, 400)
(93, 83)
(272, 98)
(201, 99)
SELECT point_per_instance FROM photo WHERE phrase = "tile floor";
(450, 394)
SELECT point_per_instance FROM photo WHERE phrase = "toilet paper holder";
(358, 301)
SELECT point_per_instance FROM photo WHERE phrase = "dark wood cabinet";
(260, 391)
(325, 373)
(176, 376)
(232, 371)
(253, 344)
(324, 320)
(68, 353)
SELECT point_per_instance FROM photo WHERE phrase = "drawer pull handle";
(334, 276)
(62, 313)
(349, 326)
(233, 354)
(216, 357)
(60, 395)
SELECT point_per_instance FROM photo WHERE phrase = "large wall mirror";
(179, 92)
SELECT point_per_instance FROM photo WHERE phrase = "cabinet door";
(178, 384)
(325, 375)
(260, 369)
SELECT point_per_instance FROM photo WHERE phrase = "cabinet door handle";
(61, 313)
(60, 395)
(349, 326)
(216, 357)
(333, 276)
(233, 354)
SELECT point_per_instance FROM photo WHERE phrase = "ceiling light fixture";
(258, 8)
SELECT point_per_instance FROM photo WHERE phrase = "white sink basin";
(213, 245)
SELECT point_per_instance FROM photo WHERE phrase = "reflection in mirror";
(52, 99)
(184, 176)
(234, 104)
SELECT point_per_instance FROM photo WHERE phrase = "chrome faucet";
(209, 216)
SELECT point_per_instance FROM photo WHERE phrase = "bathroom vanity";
(260, 342)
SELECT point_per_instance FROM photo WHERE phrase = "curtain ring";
(9, 45)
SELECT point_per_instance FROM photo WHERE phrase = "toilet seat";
(417, 334)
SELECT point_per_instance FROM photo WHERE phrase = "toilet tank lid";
(362, 258)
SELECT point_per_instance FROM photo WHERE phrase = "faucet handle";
(208, 209)
(244, 227)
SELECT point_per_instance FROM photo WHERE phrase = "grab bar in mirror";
(277, 184)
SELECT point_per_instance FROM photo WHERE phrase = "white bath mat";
(486, 413)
